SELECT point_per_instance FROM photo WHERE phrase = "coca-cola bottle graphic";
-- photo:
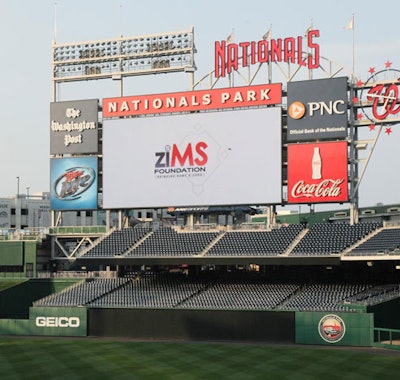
(316, 164)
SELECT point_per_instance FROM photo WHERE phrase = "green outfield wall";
(344, 329)
(48, 321)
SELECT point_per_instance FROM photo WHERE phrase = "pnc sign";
(317, 109)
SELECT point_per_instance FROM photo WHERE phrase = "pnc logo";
(297, 110)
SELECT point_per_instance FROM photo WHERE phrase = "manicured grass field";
(92, 358)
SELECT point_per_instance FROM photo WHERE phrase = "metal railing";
(387, 338)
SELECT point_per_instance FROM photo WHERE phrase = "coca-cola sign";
(317, 173)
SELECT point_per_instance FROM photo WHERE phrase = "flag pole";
(350, 26)
(353, 46)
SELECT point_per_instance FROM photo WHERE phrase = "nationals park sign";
(233, 97)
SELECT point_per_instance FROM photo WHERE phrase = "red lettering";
(176, 155)
(290, 50)
(72, 175)
(220, 65)
(276, 50)
(253, 52)
(386, 97)
(244, 46)
(233, 58)
(187, 157)
(200, 150)
(313, 56)
(262, 49)
(300, 60)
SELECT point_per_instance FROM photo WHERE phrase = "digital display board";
(212, 158)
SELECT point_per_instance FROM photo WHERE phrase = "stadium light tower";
(123, 57)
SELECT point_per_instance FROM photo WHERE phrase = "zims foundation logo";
(184, 160)
(73, 183)
(331, 328)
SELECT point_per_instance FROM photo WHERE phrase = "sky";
(27, 29)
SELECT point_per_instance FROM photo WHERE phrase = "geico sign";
(297, 109)
(57, 322)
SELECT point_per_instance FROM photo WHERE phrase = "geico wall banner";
(73, 183)
(212, 158)
(248, 96)
(317, 109)
(74, 127)
(58, 321)
(317, 173)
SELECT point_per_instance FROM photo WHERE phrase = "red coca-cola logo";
(318, 172)
(326, 188)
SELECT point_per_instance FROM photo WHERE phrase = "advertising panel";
(317, 173)
(336, 329)
(39, 214)
(58, 321)
(74, 127)
(5, 213)
(73, 183)
(234, 97)
(317, 109)
(213, 158)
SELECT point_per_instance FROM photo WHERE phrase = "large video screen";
(213, 158)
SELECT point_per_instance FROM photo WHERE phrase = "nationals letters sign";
(317, 172)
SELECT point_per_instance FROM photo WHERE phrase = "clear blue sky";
(27, 28)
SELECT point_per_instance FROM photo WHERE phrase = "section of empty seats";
(375, 294)
(176, 290)
(385, 241)
(82, 293)
(324, 297)
(255, 243)
(157, 291)
(117, 242)
(241, 296)
(332, 238)
(168, 242)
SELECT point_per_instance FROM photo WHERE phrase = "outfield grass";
(92, 358)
